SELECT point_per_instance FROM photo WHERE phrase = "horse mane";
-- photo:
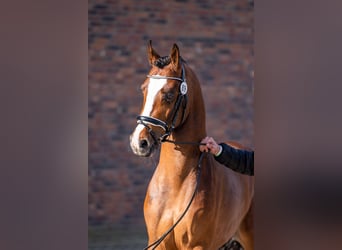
(161, 62)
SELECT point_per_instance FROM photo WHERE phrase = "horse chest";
(165, 204)
(162, 200)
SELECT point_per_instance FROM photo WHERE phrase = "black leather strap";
(152, 121)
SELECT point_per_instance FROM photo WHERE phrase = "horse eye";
(168, 97)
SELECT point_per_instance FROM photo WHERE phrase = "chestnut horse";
(199, 211)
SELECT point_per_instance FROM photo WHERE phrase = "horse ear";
(152, 54)
(175, 56)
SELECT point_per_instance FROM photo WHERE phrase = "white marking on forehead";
(154, 86)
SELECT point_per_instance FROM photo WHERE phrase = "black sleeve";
(239, 160)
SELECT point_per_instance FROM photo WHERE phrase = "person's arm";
(239, 160)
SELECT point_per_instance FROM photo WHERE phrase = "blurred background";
(45, 61)
(216, 40)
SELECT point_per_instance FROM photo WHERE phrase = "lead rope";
(199, 166)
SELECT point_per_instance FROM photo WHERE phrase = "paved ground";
(121, 239)
(127, 239)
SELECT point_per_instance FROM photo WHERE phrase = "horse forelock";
(163, 61)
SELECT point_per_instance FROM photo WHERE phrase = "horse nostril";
(143, 143)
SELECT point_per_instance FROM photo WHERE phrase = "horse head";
(164, 104)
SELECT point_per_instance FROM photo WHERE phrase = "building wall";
(216, 40)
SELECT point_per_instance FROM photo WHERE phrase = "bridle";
(149, 120)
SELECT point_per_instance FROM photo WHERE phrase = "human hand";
(210, 145)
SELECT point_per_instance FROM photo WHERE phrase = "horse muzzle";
(141, 142)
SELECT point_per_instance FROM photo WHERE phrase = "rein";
(184, 142)
(198, 175)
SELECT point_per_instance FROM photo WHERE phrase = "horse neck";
(184, 157)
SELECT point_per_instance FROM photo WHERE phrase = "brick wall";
(216, 40)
